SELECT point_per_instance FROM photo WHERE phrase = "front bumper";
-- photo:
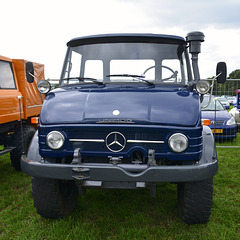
(120, 172)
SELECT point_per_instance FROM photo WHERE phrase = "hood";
(223, 115)
(149, 105)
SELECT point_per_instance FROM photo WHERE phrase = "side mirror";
(29, 72)
(221, 72)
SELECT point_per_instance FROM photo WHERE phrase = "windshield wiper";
(135, 77)
(82, 79)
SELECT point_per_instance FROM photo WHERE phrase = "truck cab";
(20, 102)
(9, 92)
(126, 114)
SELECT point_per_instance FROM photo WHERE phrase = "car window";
(6, 76)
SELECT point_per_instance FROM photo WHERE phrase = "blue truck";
(126, 115)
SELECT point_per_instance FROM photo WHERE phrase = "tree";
(235, 74)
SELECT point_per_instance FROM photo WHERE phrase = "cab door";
(9, 93)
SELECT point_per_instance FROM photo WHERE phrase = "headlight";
(55, 140)
(231, 121)
(203, 87)
(178, 142)
(44, 86)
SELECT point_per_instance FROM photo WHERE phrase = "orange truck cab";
(20, 104)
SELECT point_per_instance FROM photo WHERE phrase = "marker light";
(203, 87)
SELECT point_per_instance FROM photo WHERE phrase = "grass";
(121, 214)
(233, 143)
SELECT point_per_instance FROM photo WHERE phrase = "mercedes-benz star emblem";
(115, 141)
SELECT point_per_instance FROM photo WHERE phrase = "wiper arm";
(125, 75)
(139, 77)
(84, 78)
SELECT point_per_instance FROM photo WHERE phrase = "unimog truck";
(126, 115)
(20, 105)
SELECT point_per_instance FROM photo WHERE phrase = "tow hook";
(151, 158)
(77, 157)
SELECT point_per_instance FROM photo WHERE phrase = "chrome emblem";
(116, 112)
(115, 141)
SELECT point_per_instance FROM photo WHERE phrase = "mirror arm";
(37, 81)
(214, 79)
(32, 76)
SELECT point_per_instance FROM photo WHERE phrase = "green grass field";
(121, 214)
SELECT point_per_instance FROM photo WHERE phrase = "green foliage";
(121, 214)
(235, 74)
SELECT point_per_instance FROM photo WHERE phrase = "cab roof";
(126, 37)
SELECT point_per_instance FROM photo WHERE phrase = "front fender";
(33, 151)
(209, 148)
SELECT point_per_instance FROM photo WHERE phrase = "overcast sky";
(39, 30)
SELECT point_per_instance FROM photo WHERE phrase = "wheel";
(54, 198)
(195, 201)
(18, 142)
(174, 75)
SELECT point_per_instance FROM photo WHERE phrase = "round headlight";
(55, 140)
(203, 87)
(44, 86)
(178, 142)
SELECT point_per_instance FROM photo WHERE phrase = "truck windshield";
(126, 62)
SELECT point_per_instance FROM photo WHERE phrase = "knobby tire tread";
(49, 200)
(195, 201)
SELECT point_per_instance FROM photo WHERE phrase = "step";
(6, 150)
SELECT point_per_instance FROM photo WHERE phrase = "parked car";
(224, 102)
(230, 99)
(235, 112)
(223, 125)
(235, 102)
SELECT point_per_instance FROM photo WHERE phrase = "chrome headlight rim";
(178, 137)
(44, 86)
(203, 87)
(50, 138)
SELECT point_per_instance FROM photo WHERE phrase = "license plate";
(217, 130)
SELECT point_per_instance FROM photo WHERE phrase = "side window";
(75, 64)
(6, 76)
(94, 69)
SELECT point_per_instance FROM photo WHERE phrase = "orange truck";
(20, 105)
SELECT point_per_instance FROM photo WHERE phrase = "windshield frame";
(180, 52)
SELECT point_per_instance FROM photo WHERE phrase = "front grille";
(93, 141)
(218, 122)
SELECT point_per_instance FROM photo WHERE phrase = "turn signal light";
(206, 122)
(35, 120)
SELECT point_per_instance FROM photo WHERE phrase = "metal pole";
(21, 127)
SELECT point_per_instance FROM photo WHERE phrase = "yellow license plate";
(217, 130)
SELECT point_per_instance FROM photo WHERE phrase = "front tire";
(195, 201)
(54, 198)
